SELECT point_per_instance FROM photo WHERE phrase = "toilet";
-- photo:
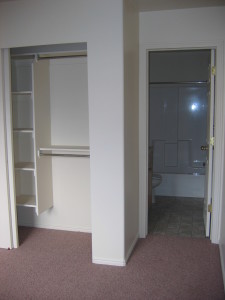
(156, 181)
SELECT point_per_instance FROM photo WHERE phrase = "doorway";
(180, 154)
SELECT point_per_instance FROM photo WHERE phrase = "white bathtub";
(181, 185)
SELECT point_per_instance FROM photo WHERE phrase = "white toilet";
(154, 178)
(156, 181)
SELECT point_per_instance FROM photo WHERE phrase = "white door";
(209, 147)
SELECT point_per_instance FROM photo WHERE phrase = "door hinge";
(210, 208)
(212, 141)
(213, 70)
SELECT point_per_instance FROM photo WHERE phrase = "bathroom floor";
(177, 216)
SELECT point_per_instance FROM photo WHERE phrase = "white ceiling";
(151, 5)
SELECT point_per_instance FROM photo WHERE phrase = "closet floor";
(177, 216)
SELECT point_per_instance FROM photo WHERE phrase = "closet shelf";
(23, 130)
(67, 151)
(29, 166)
(26, 200)
(22, 93)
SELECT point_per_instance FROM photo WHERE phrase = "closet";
(47, 116)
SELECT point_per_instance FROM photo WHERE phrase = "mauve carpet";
(53, 264)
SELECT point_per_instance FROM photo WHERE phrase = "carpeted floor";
(52, 264)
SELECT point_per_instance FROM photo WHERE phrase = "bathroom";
(178, 116)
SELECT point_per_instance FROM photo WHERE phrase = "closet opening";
(47, 117)
(180, 142)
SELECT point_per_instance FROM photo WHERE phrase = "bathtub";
(181, 185)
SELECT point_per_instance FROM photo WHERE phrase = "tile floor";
(177, 216)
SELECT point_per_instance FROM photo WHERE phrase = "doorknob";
(204, 148)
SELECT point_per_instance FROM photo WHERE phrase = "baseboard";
(119, 263)
(75, 229)
(222, 261)
(131, 247)
(110, 262)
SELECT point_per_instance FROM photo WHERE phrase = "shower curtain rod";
(180, 82)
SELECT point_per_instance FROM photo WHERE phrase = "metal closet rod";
(65, 151)
(61, 55)
(64, 155)
(179, 82)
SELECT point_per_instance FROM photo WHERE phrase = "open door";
(209, 147)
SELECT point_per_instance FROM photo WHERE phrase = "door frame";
(10, 157)
(6, 240)
(218, 160)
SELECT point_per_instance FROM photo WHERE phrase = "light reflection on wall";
(194, 106)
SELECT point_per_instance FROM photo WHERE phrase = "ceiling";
(152, 5)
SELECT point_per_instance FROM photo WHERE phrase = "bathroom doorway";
(180, 141)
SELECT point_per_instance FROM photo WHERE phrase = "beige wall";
(131, 100)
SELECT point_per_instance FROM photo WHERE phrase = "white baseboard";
(110, 262)
(75, 229)
(119, 263)
(222, 261)
(131, 247)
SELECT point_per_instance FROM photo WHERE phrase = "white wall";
(131, 101)
(100, 24)
(190, 28)
(69, 101)
(71, 198)
(204, 24)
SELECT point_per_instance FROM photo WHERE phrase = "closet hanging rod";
(65, 152)
(64, 155)
(57, 55)
(179, 82)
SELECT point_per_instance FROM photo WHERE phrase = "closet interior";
(49, 134)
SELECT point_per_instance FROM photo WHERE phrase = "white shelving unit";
(23, 131)
(30, 128)
(28, 166)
